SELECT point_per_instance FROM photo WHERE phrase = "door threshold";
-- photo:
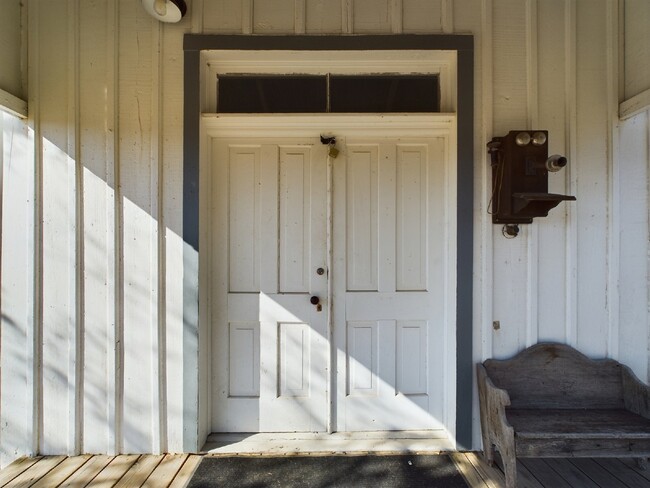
(338, 443)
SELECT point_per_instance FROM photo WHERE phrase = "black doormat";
(402, 471)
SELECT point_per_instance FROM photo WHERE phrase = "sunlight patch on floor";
(337, 443)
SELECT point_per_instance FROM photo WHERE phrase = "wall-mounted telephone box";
(520, 167)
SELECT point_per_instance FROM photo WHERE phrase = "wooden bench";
(552, 401)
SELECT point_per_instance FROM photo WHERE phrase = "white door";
(270, 342)
(389, 276)
(386, 336)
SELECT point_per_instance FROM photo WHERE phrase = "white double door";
(363, 233)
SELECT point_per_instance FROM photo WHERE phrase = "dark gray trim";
(465, 249)
(191, 146)
(464, 46)
(202, 42)
(192, 112)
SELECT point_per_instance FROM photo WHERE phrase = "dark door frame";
(463, 45)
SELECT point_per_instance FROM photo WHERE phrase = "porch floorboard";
(175, 471)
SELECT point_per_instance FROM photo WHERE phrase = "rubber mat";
(401, 471)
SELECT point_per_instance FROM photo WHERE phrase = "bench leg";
(488, 451)
(510, 469)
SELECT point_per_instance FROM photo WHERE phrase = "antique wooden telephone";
(520, 166)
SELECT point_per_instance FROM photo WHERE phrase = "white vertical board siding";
(17, 285)
(551, 103)
(371, 16)
(222, 16)
(637, 47)
(422, 16)
(11, 50)
(510, 109)
(138, 160)
(323, 16)
(170, 223)
(277, 17)
(57, 124)
(97, 142)
(592, 186)
(100, 307)
(634, 158)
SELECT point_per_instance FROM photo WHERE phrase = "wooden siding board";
(323, 16)
(633, 159)
(98, 203)
(372, 16)
(422, 16)
(10, 49)
(552, 288)
(570, 87)
(12, 104)
(17, 291)
(172, 223)
(510, 106)
(637, 47)
(140, 324)
(592, 185)
(277, 17)
(58, 232)
(222, 16)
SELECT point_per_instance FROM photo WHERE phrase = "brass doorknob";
(314, 300)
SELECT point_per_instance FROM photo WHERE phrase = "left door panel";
(269, 237)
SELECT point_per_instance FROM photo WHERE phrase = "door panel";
(389, 230)
(362, 239)
(269, 237)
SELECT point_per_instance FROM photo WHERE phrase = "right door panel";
(389, 277)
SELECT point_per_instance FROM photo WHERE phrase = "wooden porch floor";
(175, 470)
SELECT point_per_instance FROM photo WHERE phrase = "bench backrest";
(557, 376)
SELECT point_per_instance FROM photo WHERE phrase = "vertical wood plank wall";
(11, 53)
(92, 298)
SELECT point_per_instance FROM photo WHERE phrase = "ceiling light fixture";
(165, 10)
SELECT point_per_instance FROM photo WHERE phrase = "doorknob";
(314, 300)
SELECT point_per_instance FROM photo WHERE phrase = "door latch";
(316, 301)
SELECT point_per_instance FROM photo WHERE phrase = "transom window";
(329, 93)
(343, 82)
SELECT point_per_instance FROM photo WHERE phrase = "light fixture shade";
(165, 10)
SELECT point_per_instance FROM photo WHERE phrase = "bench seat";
(552, 401)
(577, 424)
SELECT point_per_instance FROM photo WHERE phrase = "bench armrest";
(636, 394)
(494, 424)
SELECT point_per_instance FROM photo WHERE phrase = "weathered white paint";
(98, 141)
(98, 189)
(12, 50)
(59, 297)
(396, 194)
(635, 105)
(637, 47)
(12, 104)
(17, 367)
(269, 350)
